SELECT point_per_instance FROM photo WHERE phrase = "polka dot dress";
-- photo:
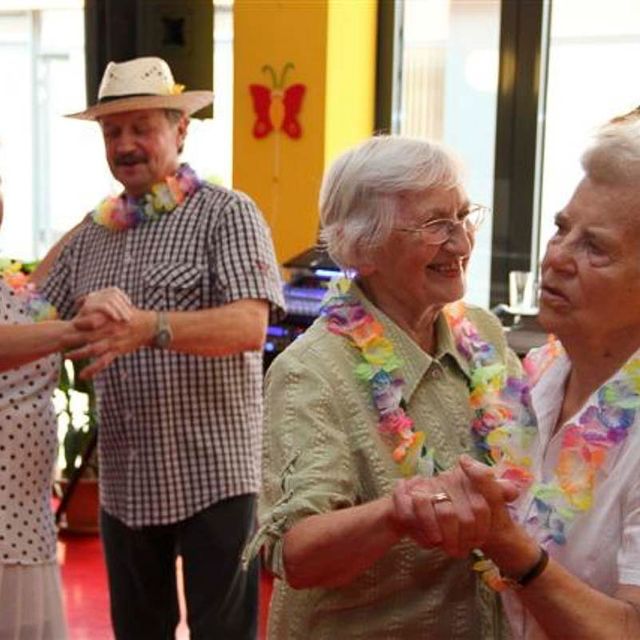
(28, 446)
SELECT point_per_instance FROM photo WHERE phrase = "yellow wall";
(351, 74)
(332, 46)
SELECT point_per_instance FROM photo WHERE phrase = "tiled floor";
(86, 594)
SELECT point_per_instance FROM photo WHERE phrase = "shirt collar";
(415, 361)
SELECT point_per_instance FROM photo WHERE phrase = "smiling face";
(591, 271)
(142, 147)
(407, 276)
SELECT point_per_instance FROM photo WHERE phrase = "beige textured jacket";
(322, 452)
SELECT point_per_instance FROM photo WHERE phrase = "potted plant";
(78, 483)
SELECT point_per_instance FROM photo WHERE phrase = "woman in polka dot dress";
(30, 593)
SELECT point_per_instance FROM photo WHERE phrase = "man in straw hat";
(179, 385)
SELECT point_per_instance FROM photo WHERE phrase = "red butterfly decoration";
(277, 108)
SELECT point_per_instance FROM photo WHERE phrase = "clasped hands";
(459, 510)
(107, 325)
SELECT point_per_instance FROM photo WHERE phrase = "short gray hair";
(614, 156)
(174, 116)
(360, 191)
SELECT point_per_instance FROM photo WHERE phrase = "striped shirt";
(178, 432)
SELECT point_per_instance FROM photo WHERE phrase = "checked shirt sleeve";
(244, 257)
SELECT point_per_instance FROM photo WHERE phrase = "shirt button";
(436, 374)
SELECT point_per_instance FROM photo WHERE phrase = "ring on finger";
(441, 496)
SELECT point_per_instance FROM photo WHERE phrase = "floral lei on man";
(15, 275)
(503, 425)
(122, 212)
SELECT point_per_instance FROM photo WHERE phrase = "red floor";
(86, 596)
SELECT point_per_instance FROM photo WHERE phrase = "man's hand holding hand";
(110, 326)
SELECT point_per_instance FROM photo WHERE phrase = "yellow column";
(329, 47)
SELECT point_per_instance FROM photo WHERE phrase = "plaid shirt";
(178, 432)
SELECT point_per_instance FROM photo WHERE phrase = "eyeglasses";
(439, 231)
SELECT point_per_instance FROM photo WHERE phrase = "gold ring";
(443, 496)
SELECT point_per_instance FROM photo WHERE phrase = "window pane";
(16, 235)
(53, 168)
(448, 94)
(593, 51)
(73, 174)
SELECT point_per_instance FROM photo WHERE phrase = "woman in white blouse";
(582, 506)
(30, 342)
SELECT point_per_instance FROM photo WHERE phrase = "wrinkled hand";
(71, 338)
(112, 302)
(457, 526)
(497, 493)
(104, 339)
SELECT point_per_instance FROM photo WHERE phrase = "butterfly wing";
(261, 97)
(292, 100)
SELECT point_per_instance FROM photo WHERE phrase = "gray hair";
(614, 156)
(360, 191)
(174, 116)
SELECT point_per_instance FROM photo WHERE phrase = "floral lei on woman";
(503, 425)
(118, 213)
(16, 276)
(600, 427)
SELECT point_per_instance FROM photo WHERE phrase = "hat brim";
(189, 102)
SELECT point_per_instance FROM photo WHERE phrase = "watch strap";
(531, 574)
(163, 335)
(536, 569)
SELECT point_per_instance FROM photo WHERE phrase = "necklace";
(496, 399)
(603, 424)
(16, 276)
(347, 317)
(503, 424)
(122, 212)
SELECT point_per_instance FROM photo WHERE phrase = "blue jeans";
(222, 600)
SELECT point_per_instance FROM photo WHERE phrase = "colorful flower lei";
(600, 427)
(347, 317)
(495, 399)
(118, 213)
(503, 425)
(16, 276)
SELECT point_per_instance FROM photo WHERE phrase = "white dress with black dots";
(30, 593)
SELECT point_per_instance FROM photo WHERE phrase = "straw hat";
(142, 83)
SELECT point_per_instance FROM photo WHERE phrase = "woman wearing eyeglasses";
(367, 519)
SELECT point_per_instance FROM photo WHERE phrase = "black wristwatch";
(539, 566)
(163, 335)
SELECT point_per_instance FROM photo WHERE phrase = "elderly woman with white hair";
(367, 517)
(582, 507)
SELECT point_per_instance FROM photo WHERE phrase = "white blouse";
(28, 444)
(603, 544)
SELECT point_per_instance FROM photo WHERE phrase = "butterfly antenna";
(274, 80)
(283, 75)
